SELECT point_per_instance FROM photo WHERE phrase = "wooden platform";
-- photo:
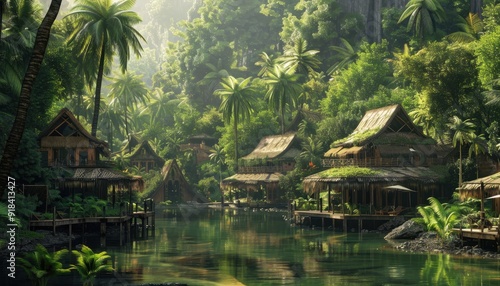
(300, 216)
(477, 233)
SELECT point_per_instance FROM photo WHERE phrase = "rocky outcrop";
(408, 230)
(392, 224)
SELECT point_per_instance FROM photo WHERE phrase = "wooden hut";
(385, 137)
(385, 148)
(482, 188)
(66, 143)
(144, 156)
(262, 168)
(174, 186)
(103, 183)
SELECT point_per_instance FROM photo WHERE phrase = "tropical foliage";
(40, 265)
(90, 264)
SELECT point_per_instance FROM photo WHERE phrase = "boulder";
(408, 230)
(392, 224)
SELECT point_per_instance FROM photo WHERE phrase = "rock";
(408, 230)
(392, 224)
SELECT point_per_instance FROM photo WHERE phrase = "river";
(260, 247)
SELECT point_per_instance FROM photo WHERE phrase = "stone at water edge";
(408, 230)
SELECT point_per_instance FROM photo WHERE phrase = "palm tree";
(89, 264)
(266, 63)
(40, 265)
(299, 59)
(471, 29)
(127, 90)
(347, 54)
(283, 89)
(14, 139)
(217, 156)
(103, 27)
(463, 132)
(312, 150)
(237, 98)
(423, 15)
(478, 146)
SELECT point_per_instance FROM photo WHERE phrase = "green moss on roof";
(357, 138)
(348, 171)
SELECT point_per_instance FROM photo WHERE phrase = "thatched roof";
(144, 145)
(375, 122)
(360, 175)
(274, 146)
(66, 125)
(100, 173)
(253, 178)
(491, 182)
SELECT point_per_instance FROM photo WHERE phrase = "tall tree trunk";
(97, 98)
(35, 63)
(476, 7)
(236, 144)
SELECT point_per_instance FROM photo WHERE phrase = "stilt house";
(385, 148)
(262, 169)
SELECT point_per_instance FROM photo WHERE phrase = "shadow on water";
(246, 247)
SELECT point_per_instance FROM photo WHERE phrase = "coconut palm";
(299, 59)
(463, 131)
(89, 264)
(217, 156)
(423, 16)
(103, 27)
(347, 54)
(266, 63)
(40, 265)
(126, 91)
(478, 146)
(14, 139)
(237, 98)
(471, 28)
(283, 90)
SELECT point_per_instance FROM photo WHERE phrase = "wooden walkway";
(480, 234)
(300, 217)
(125, 221)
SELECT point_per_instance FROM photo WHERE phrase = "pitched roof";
(389, 119)
(100, 173)
(272, 147)
(146, 146)
(65, 124)
(254, 178)
(359, 175)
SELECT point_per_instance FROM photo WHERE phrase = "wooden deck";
(477, 233)
(301, 216)
(125, 221)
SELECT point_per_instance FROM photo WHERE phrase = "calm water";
(240, 247)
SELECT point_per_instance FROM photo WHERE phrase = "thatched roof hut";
(386, 137)
(99, 182)
(144, 156)
(174, 186)
(490, 187)
(362, 185)
(262, 169)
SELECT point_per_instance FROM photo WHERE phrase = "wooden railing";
(381, 162)
(260, 169)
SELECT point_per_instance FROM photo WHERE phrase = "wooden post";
(482, 206)
(121, 232)
(54, 220)
(103, 232)
(70, 234)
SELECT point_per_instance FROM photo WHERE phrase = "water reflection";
(239, 247)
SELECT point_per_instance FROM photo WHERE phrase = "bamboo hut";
(261, 170)
(102, 183)
(385, 148)
(174, 186)
(482, 188)
(66, 143)
(144, 156)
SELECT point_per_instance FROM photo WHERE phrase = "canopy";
(493, 197)
(399, 188)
